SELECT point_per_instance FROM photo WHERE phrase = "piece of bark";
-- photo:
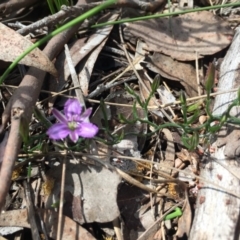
(217, 214)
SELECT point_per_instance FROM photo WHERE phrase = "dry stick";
(127, 105)
(74, 77)
(197, 74)
(131, 63)
(163, 230)
(10, 154)
(134, 182)
(128, 68)
(126, 176)
(60, 214)
(14, 5)
(101, 87)
(78, 9)
(24, 100)
(173, 103)
(31, 211)
(213, 185)
(141, 5)
(17, 18)
(151, 170)
(47, 21)
(117, 229)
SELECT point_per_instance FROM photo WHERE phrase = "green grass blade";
(165, 14)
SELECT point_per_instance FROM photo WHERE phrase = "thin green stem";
(165, 14)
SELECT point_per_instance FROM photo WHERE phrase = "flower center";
(72, 125)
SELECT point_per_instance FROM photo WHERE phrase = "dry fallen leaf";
(90, 192)
(84, 53)
(180, 37)
(13, 44)
(94, 46)
(71, 230)
(80, 49)
(174, 70)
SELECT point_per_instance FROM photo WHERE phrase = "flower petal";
(74, 136)
(87, 130)
(59, 116)
(72, 107)
(58, 131)
(85, 115)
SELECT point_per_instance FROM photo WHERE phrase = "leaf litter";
(181, 37)
(12, 45)
(96, 194)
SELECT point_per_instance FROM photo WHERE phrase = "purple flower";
(74, 123)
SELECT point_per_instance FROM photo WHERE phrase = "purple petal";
(86, 114)
(58, 131)
(87, 130)
(72, 107)
(73, 135)
(59, 116)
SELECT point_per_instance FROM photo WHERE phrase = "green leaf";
(193, 107)
(41, 117)
(234, 120)
(191, 142)
(121, 136)
(238, 96)
(129, 90)
(36, 147)
(155, 84)
(183, 98)
(223, 119)
(51, 6)
(214, 128)
(140, 102)
(135, 112)
(122, 119)
(195, 140)
(176, 213)
(193, 118)
(133, 93)
(210, 78)
(24, 130)
(185, 141)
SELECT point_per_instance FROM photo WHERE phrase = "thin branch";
(13, 5)
(60, 213)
